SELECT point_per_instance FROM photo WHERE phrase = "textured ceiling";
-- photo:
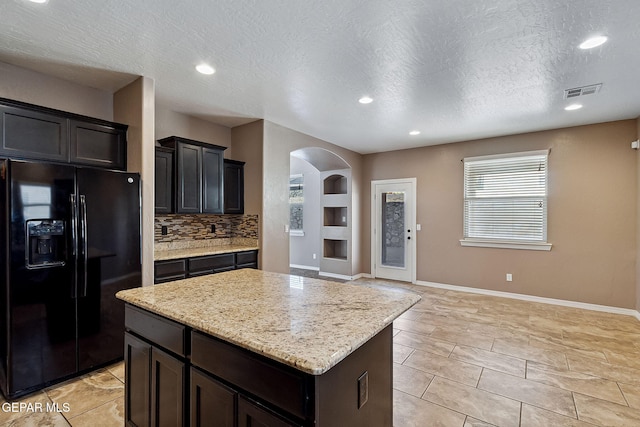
(454, 69)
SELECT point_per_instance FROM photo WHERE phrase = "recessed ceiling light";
(38, 1)
(365, 100)
(205, 69)
(573, 107)
(414, 132)
(593, 42)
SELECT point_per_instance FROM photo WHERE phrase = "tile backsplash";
(198, 227)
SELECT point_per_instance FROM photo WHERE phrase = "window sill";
(506, 245)
(297, 233)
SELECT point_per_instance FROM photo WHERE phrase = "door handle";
(74, 243)
(85, 244)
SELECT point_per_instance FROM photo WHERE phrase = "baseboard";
(565, 303)
(304, 267)
(335, 276)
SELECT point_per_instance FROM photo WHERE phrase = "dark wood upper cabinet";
(33, 132)
(98, 145)
(164, 180)
(197, 176)
(233, 187)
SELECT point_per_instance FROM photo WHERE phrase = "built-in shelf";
(335, 249)
(335, 216)
(336, 184)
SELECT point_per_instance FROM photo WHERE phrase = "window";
(296, 205)
(505, 201)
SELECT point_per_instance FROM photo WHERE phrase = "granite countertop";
(195, 248)
(202, 251)
(306, 323)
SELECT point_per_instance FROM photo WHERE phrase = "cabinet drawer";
(248, 257)
(157, 329)
(212, 263)
(273, 382)
(166, 271)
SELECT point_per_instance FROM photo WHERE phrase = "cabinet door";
(166, 271)
(164, 181)
(233, 187)
(250, 414)
(212, 403)
(137, 358)
(212, 170)
(189, 179)
(33, 135)
(167, 389)
(98, 145)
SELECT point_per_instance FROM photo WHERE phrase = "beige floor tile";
(591, 340)
(87, 392)
(598, 368)
(576, 381)
(537, 417)
(605, 413)
(631, 394)
(409, 411)
(630, 360)
(555, 344)
(470, 339)
(517, 349)
(488, 359)
(117, 370)
(413, 326)
(34, 403)
(110, 414)
(478, 404)
(410, 315)
(541, 395)
(401, 352)
(409, 380)
(41, 419)
(444, 367)
(424, 343)
(472, 422)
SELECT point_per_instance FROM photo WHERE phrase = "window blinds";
(505, 197)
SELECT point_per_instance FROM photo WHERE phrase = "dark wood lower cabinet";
(177, 376)
(176, 269)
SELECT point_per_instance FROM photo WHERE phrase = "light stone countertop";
(306, 323)
(163, 255)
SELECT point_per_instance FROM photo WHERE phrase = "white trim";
(508, 155)
(304, 267)
(506, 245)
(412, 222)
(296, 233)
(544, 300)
(335, 276)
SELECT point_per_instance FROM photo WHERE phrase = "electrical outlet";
(213, 228)
(363, 389)
(163, 230)
(509, 277)
(314, 256)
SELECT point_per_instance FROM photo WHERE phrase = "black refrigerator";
(71, 240)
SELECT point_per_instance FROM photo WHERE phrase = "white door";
(393, 229)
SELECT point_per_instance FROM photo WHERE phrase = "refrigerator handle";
(85, 245)
(74, 242)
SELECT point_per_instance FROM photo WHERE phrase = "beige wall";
(29, 86)
(278, 143)
(638, 219)
(592, 215)
(171, 123)
(134, 105)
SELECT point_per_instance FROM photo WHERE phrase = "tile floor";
(460, 360)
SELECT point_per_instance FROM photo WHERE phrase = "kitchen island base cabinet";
(230, 385)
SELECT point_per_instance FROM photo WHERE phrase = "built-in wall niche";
(335, 249)
(335, 184)
(335, 217)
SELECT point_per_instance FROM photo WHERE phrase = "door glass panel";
(393, 229)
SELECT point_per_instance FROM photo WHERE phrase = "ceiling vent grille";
(583, 90)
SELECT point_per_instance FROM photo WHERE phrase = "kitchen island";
(247, 347)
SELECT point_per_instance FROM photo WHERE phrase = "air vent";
(580, 91)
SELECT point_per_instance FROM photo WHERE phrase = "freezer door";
(41, 322)
(109, 260)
